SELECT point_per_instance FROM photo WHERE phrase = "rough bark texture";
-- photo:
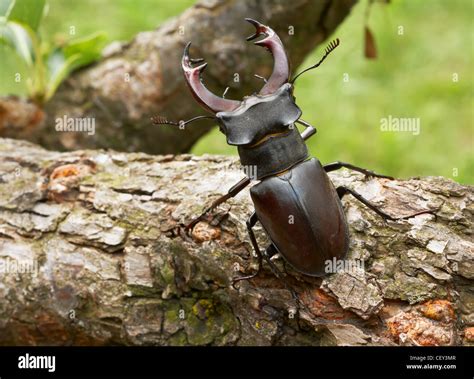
(143, 78)
(86, 257)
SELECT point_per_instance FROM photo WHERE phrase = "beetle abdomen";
(303, 216)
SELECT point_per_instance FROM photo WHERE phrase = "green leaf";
(18, 38)
(55, 61)
(4, 5)
(59, 68)
(28, 12)
(77, 53)
(88, 49)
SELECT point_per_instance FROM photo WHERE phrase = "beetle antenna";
(332, 45)
(160, 120)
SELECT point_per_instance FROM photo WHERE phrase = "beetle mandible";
(291, 185)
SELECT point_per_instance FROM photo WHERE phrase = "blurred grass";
(411, 78)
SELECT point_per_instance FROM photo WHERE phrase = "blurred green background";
(412, 77)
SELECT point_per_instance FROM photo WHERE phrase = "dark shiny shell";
(259, 116)
(303, 216)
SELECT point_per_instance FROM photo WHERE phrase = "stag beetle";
(291, 185)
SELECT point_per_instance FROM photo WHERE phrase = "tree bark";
(90, 254)
(143, 78)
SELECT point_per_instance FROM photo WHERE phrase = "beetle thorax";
(263, 130)
(259, 116)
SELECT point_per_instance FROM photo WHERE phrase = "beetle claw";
(260, 29)
(205, 97)
(215, 104)
(187, 61)
(281, 66)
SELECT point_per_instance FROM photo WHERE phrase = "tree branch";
(143, 78)
(90, 254)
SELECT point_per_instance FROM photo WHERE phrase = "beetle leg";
(338, 165)
(341, 191)
(233, 191)
(309, 131)
(250, 224)
(269, 252)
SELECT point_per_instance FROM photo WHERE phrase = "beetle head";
(243, 122)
